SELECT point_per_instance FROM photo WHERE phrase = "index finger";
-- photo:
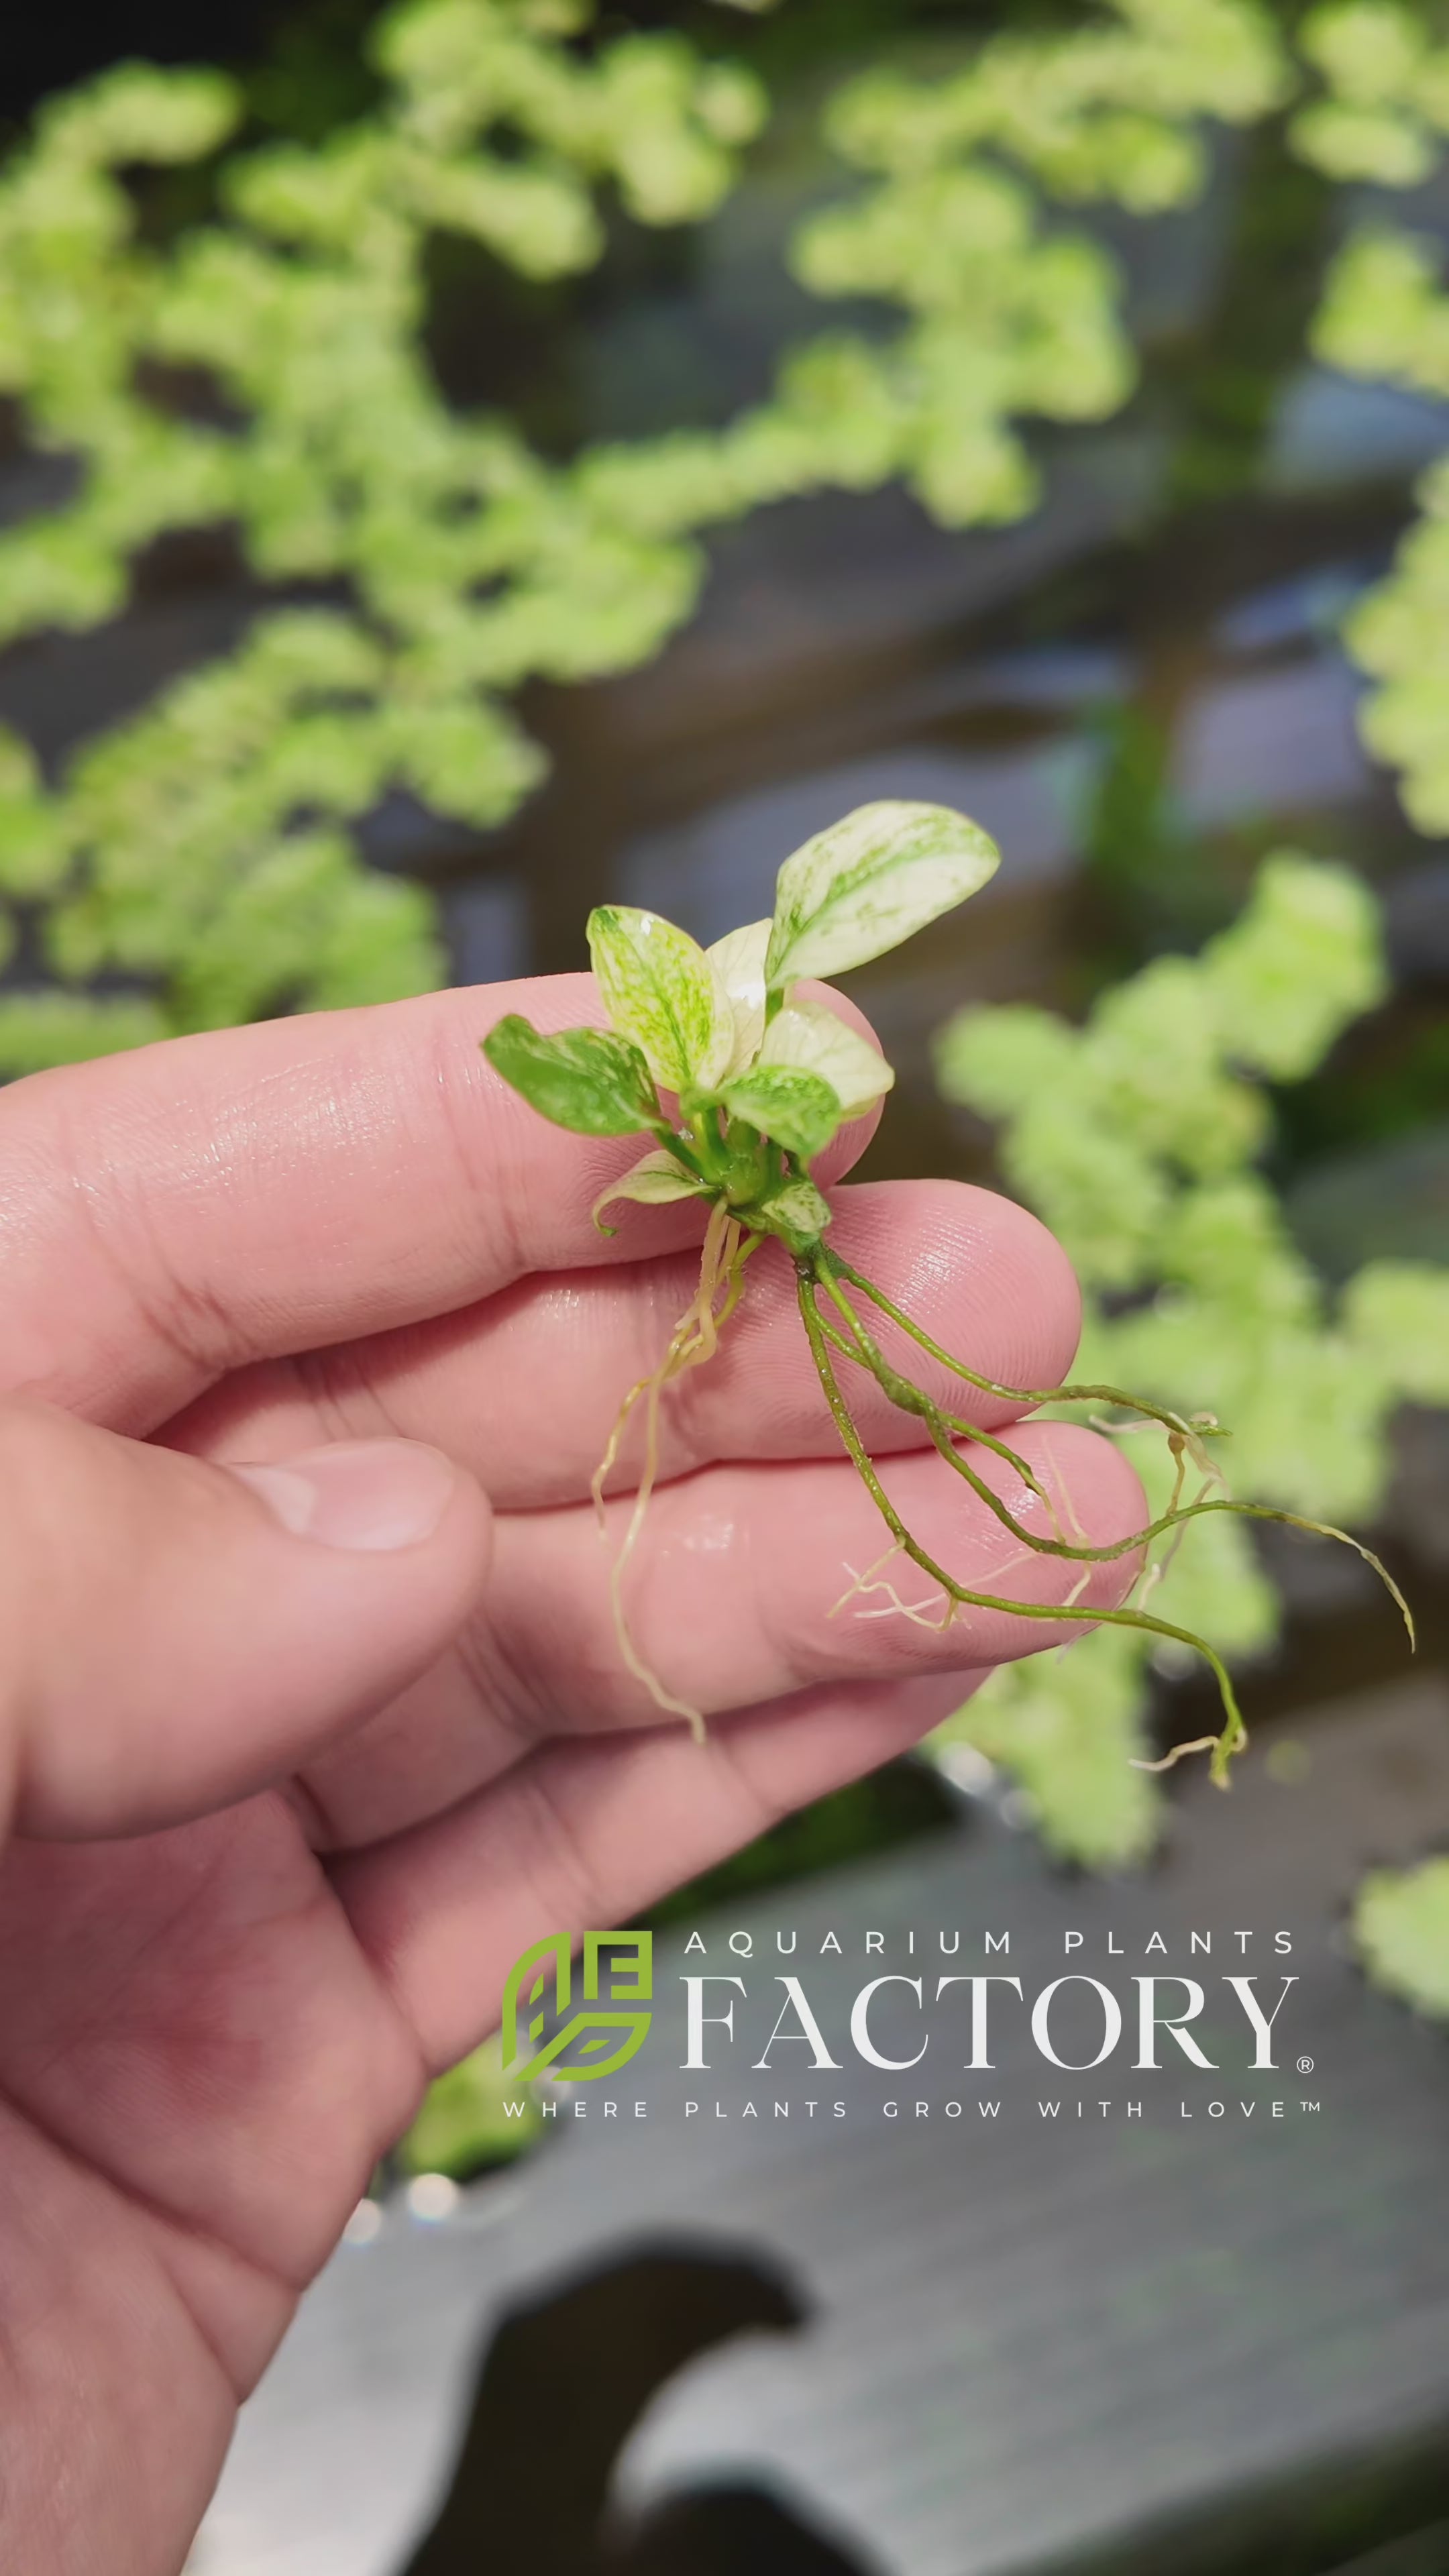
(172, 1214)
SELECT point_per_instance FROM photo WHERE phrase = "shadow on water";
(559, 2389)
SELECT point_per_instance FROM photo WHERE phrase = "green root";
(819, 1271)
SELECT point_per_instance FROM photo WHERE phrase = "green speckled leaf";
(871, 881)
(798, 1213)
(662, 991)
(583, 1079)
(799, 1110)
(811, 1038)
(656, 1181)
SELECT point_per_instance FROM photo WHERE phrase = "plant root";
(840, 1332)
(694, 1340)
(820, 1271)
(860, 1583)
(1198, 1744)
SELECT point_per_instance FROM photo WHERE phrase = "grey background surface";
(1029, 2340)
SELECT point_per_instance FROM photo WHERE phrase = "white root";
(1179, 1753)
(918, 1612)
(861, 1582)
(694, 1340)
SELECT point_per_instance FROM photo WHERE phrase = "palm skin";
(268, 1863)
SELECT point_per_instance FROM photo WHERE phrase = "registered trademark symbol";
(1305, 2065)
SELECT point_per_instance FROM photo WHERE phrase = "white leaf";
(811, 1037)
(739, 960)
(869, 882)
(661, 990)
(655, 1181)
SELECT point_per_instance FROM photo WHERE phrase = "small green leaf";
(811, 1037)
(798, 1110)
(797, 1212)
(654, 1182)
(1401, 1927)
(871, 881)
(662, 991)
(739, 961)
(584, 1079)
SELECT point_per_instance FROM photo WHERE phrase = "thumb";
(174, 1635)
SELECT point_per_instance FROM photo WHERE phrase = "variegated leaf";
(662, 991)
(587, 1080)
(869, 882)
(655, 1181)
(798, 1110)
(797, 1212)
(814, 1039)
(740, 963)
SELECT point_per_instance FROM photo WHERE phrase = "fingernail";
(365, 1494)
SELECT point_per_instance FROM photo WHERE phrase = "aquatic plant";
(264, 372)
(1385, 107)
(1385, 315)
(1138, 1137)
(743, 1080)
(1401, 1933)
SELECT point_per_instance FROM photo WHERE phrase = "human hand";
(294, 1763)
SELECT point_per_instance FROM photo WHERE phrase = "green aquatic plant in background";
(218, 824)
(472, 2117)
(199, 862)
(1009, 317)
(1401, 1932)
(1385, 316)
(1384, 111)
(1138, 1139)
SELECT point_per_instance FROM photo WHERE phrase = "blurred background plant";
(264, 371)
(1138, 1137)
(374, 408)
(472, 2118)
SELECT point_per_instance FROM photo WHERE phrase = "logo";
(603, 2032)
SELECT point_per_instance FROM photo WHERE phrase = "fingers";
(174, 1635)
(178, 1212)
(742, 1585)
(741, 1593)
(526, 1386)
(585, 1835)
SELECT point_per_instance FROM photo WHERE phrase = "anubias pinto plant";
(743, 1080)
